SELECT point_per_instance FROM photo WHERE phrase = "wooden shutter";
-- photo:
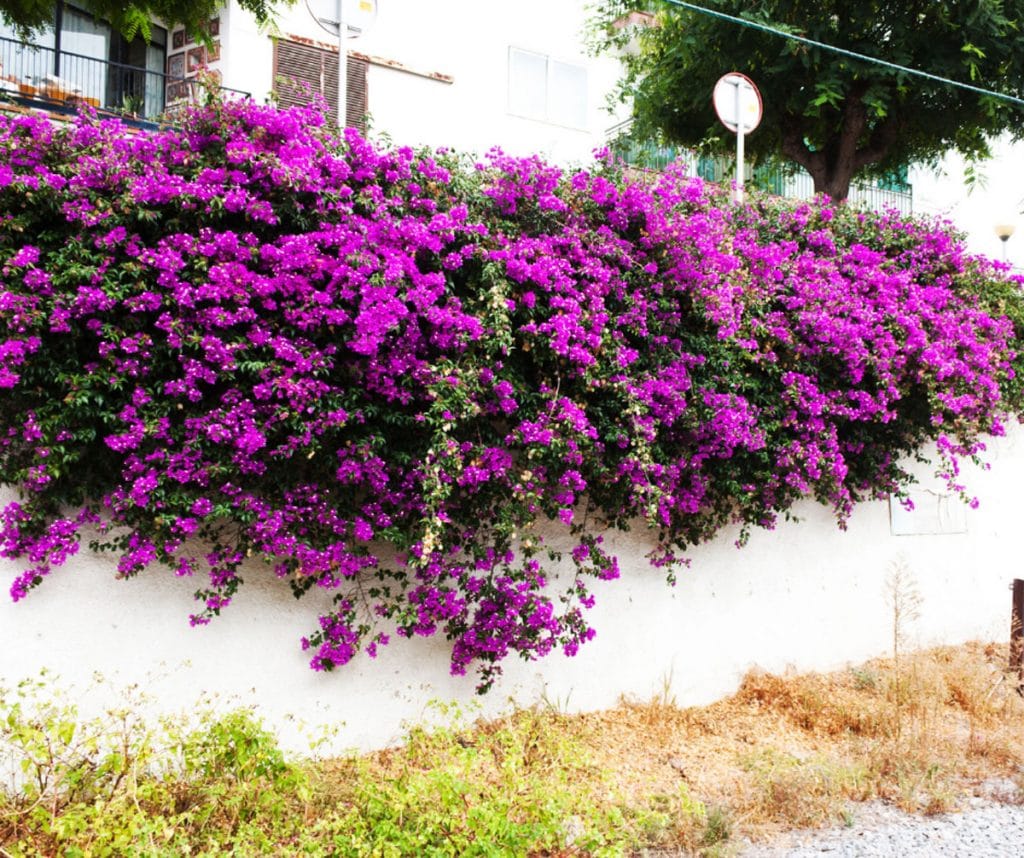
(302, 71)
(356, 95)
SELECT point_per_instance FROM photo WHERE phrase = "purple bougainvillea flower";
(377, 370)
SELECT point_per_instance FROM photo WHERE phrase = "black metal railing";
(39, 76)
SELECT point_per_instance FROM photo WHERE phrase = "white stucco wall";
(466, 40)
(806, 596)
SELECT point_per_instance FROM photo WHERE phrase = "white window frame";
(548, 117)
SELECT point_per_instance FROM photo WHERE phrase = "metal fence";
(40, 76)
(797, 184)
(800, 185)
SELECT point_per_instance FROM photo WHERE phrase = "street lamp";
(1004, 231)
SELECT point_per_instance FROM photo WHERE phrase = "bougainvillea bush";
(379, 370)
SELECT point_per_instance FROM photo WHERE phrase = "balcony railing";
(796, 185)
(37, 76)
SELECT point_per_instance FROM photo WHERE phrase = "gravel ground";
(983, 828)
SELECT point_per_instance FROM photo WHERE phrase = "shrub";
(217, 783)
(378, 369)
(116, 785)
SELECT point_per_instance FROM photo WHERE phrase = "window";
(302, 71)
(547, 90)
(85, 48)
(43, 39)
(127, 83)
(80, 57)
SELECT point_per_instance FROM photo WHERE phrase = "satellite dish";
(359, 16)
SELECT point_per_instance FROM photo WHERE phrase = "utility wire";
(743, 22)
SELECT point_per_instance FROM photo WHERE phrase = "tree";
(833, 115)
(32, 16)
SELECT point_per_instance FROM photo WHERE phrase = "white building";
(454, 73)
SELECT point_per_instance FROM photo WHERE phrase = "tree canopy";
(31, 16)
(833, 115)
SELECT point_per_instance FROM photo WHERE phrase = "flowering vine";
(379, 369)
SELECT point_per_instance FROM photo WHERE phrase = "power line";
(743, 22)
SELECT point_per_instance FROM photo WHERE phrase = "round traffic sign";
(359, 15)
(737, 102)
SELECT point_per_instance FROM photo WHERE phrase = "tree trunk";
(833, 167)
(835, 183)
(830, 169)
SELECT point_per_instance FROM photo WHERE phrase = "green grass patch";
(215, 783)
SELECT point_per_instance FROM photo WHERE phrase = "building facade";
(453, 73)
(81, 60)
(447, 73)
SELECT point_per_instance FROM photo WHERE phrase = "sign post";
(343, 21)
(343, 68)
(738, 105)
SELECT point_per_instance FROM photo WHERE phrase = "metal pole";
(342, 67)
(58, 27)
(740, 134)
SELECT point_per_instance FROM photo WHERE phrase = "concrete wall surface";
(806, 596)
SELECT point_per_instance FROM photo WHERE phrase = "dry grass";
(786, 752)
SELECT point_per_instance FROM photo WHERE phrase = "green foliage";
(834, 115)
(33, 16)
(219, 784)
(517, 787)
(113, 785)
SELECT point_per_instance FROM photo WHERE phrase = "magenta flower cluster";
(388, 373)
